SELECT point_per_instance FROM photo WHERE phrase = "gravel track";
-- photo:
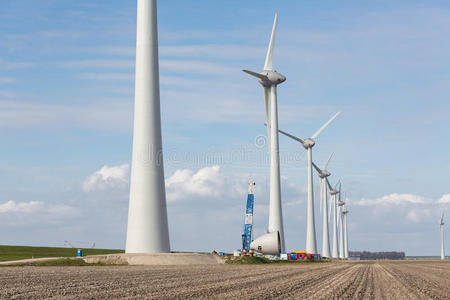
(340, 280)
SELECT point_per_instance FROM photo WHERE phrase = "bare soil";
(339, 280)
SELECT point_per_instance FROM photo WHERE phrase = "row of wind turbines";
(273, 242)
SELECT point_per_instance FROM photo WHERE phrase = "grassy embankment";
(25, 252)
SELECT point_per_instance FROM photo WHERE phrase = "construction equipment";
(248, 220)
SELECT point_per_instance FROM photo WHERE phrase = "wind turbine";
(269, 79)
(345, 212)
(341, 224)
(441, 225)
(333, 192)
(323, 174)
(311, 245)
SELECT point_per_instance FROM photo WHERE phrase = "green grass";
(245, 260)
(63, 262)
(25, 252)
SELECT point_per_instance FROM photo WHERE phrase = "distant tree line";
(366, 255)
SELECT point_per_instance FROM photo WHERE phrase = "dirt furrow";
(338, 280)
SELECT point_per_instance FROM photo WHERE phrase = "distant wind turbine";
(441, 226)
(333, 192)
(345, 212)
(341, 224)
(308, 144)
(323, 174)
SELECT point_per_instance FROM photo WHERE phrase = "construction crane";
(248, 220)
(67, 243)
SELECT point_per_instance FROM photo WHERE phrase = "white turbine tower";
(148, 229)
(345, 212)
(341, 224)
(311, 245)
(333, 192)
(269, 79)
(323, 174)
(441, 226)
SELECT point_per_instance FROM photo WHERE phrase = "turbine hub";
(273, 78)
(333, 192)
(308, 143)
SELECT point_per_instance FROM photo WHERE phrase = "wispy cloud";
(196, 67)
(27, 213)
(394, 199)
(4, 80)
(106, 76)
(13, 65)
(103, 114)
(99, 63)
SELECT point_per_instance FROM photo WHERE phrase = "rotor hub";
(308, 143)
(273, 78)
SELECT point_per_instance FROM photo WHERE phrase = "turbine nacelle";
(308, 143)
(334, 192)
(325, 173)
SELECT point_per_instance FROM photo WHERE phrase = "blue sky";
(66, 101)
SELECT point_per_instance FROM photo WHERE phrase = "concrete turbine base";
(136, 259)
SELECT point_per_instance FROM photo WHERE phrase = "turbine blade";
(338, 183)
(329, 185)
(268, 65)
(316, 167)
(267, 106)
(291, 136)
(324, 125)
(442, 218)
(328, 161)
(257, 75)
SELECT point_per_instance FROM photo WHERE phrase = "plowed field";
(346, 280)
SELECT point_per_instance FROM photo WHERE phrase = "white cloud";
(25, 213)
(25, 207)
(394, 199)
(208, 182)
(108, 178)
(418, 214)
(444, 199)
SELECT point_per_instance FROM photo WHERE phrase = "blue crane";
(248, 220)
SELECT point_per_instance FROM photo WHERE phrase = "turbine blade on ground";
(291, 136)
(268, 65)
(324, 125)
